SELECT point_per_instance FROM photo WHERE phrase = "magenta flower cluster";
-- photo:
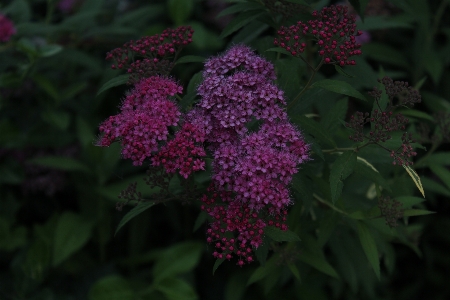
(142, 124)
(7, 28)
(253, 168)
(334, 31)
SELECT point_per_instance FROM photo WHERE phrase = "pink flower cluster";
(154, 51)
(7, 28)
(251, 170)
(146, 112)
(334, 30)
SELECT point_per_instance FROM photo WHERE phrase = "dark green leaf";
(240, 21)
(409, 201)
(294, 271)
(370, 173)
(218, 262)
(417, 212)
(342, 72)
(60, 163)
(279, 235)
(369, 246)
(202, 217)
(119, 80)
(140, 208)
(71, 233)
(279, 50)
(177, 259)
(339, 87)
(341, 169)
(335, 115)
(381, 22)
(263, 271)
(176, 289)
(180, 10)
(386, 54)
(239, 7)
(315, 129)
(318, 262)
(112, 287)
(433, 186)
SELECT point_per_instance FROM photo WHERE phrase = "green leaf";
(416, 212)
(409, 201)
(294, 271)
(140, 208)
(369, 172)
(334, 116)
(189, 59)
(433, 186)
(315, 129)
(218, 262)
(386, 54)
(279, 235)
(318, 262)
(180, 10)
(176, 289)
(49, 50)
(339, 87)
(116, 81)
(437, 158)
(71, 233)
(202, 217)
(240, 7)
(279, 50)
(263, 271)
(416, 114)
(341, 169)
(262, 251)
(303, 2)
(359, 6)
(369, 246)
(60, 163)
(240, 21)
(381, 22)
(57, 118)
(112, 287)
(416, 179)
(441, 172)
(303, 186)
(327, 226)
(342, 72)
(177, 259)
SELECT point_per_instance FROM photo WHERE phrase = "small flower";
(7, 28)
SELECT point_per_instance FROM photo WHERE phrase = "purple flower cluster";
(255, 168)
(145, 115)
(7, 28)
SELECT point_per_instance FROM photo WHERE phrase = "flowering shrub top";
(7, 28)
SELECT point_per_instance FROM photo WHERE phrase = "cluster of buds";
(384, 121)
(390, 210)
(157, 53)
(334, 31)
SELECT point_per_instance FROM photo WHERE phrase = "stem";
(308, 84)
(329, 204)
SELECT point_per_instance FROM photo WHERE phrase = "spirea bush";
(187, 149)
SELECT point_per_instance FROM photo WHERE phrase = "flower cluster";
(332, 28)
(146, 112)
(251, 170)
(7, 28)
(154, 50)
(384, 121)
(390, 210)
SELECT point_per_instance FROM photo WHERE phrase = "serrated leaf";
(315, 129)
(369, 246)
(116, 81)
(341, 169)
(140, 208)
(279, 235)
(337, 86)
(416, 179)
(218, 262)
(189, 59)
(240, 21)
(240, 7)
(59, 163)
(279, 50)
(416, 212)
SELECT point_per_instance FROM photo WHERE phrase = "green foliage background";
(58, 191)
